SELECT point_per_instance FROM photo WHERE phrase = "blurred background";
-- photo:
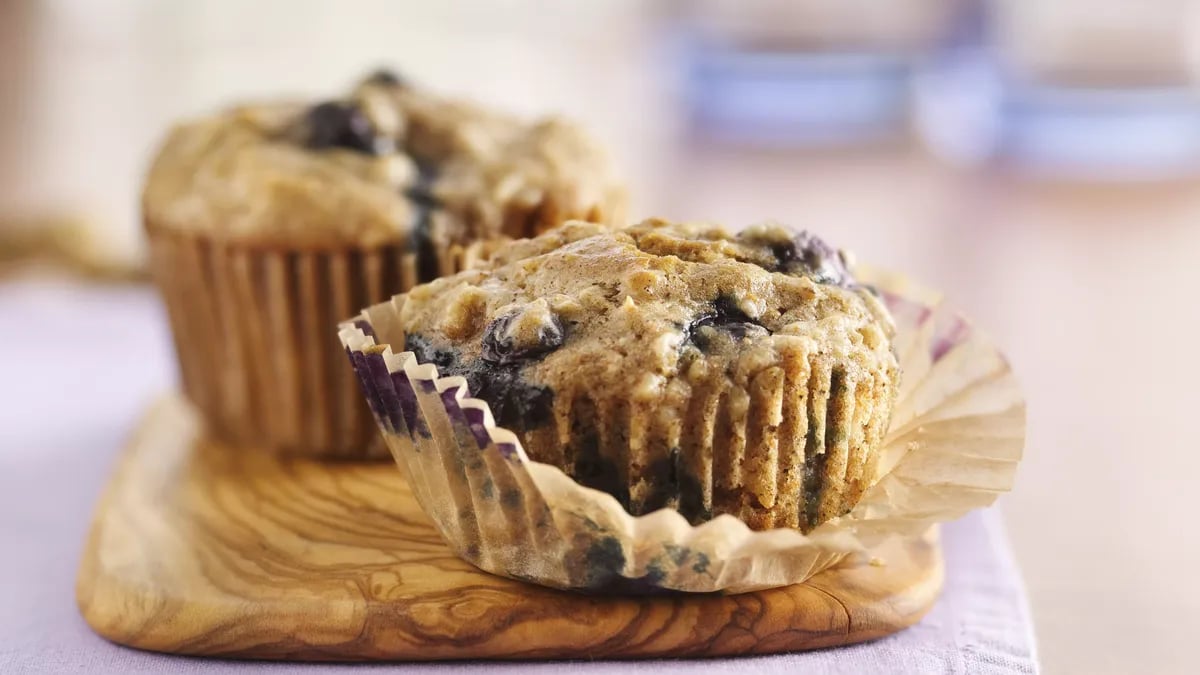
(1039, 161)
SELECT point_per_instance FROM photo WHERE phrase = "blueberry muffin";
(674, 365)
(269, 223)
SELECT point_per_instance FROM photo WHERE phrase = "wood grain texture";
(197, 548)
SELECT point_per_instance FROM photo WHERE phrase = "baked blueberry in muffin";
(675, 365)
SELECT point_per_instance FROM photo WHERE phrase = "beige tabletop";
(1091, 289)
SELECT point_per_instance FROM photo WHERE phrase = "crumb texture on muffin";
(388, 163)
(675, 365)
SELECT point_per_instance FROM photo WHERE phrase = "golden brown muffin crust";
(359, 170)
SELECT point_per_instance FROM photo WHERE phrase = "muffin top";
(642, 314)
(388, 163)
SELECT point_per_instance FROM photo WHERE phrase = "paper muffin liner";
(955, 437)
(251, 331)
(783, 451)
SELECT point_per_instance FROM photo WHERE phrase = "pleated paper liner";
(251, 330)
(785, 450)
(955, 438)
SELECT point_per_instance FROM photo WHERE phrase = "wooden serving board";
(203, 549)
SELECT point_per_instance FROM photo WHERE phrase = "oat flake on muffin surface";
(675, 365)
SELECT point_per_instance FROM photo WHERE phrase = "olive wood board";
(203, 549)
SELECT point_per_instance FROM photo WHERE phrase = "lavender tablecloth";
(77, 365)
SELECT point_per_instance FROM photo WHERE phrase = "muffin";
(674, 365)
(269, 223)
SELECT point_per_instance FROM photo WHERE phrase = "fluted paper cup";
(250, 325)
(953, 444)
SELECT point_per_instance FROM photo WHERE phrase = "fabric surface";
(78, 366)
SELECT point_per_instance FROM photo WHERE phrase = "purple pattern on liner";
(365, 327)
(948, 338)
(408, 405)
(385, 391)
(448, 397)
(463, 416)
(897, 304)
(507, 450)
(427, 386)
(455, 412)
(475, 421)
(450, 403)
(890, 300)
(359, 362)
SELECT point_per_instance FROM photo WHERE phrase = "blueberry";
(726, 317)
(424, 202)
(809, 255)
(421, 195)
(516, 403)
(498, 346)
(385, 77)
(342, 125)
